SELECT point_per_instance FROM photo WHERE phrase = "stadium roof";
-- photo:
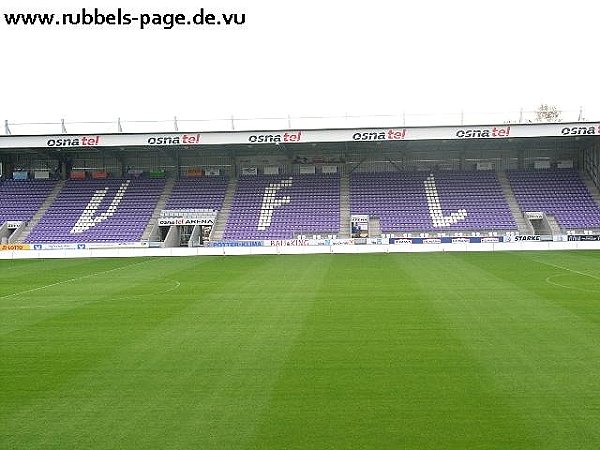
(500, 132)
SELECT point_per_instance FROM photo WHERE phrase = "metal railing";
(233, 123)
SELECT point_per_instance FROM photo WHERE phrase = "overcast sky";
(306, 58)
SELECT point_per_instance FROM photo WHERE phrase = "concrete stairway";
(374, 227)
(553, 225)
(522, 226)
(345, 224)
(20, 237)
(594, 192)
(223, 215)
(160, 205)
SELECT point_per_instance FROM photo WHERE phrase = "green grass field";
(391, 351)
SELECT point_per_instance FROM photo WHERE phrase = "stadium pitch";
(423, 351)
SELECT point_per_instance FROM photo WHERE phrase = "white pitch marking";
(570, 270)
(554, 283)
(39, 288)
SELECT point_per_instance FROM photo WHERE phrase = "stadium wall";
(295, 250)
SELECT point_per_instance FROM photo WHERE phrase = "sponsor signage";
(525, 237)
(358, 241)
(74, 141)
(288, 243)
(236, 244)
(57, 246)
(88, 245)
(461, 241)
(212, 172)
(534, 215)
(378, 241)
(359, 226)
(177, 139)
(249, 171)
(304, 136)
(275, 138)
(359, 218)
(583, 237)
(490, 240)
(342, 241)
(168, 221)
(483, 132)
(98, 245)
(307, 170)
(13, 224)
(15, 247)
(392, 134)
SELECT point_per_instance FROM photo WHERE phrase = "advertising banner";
(583, 237)
(88, 245)
(13, 224)
(329, 169)
(525, 238)
(95, 245)
(491, 240)
(306, 170)
(236, 244)
(287, 243)
(168, 221)
(534, 215)
(249, 171)
(58, 246)
(360, 226)
(15, 247)
(443, 240)
(303, 136)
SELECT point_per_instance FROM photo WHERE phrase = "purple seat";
(20, 200)
(113, 210)
(284, 206)
(198, 193)
(559, 192)
(405, 202)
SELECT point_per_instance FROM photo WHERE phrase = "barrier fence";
(305, 246)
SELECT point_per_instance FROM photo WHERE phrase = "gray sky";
(308, 58)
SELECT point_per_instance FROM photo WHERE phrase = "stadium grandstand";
(492, 182)
(383, 306)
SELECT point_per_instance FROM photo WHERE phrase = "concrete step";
(594, 192)
(345, 224)
(223, 215)
(374, 227)
(160, 205)
(522, 225)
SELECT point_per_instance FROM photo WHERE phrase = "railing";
(233, 123)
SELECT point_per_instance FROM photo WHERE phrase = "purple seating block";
(559, 192)
(113, 210)
(198, 193)
(283, 206)
(405, 201)
(20, 200)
